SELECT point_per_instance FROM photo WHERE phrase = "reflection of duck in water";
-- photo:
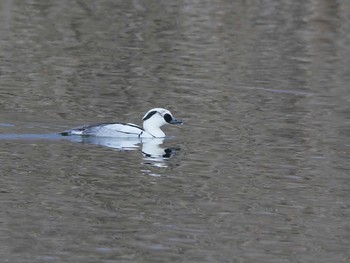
(152, 151)
(152, 121)
(155, 155)
(150, 147)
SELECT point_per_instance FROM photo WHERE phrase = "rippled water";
(259, 172)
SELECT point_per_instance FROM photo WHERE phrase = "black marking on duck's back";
(130, 124)
(167, 117)
(65, 133)
(149, 115)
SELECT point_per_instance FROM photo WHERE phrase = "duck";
(153, 120)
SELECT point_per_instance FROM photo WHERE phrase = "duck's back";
(108, 130)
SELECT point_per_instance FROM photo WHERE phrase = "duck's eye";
(167, 117)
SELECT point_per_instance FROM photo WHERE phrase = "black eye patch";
(167, 117)
(149, 115)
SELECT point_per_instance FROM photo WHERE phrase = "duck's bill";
(175, 121)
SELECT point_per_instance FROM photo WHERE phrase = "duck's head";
(157, 117)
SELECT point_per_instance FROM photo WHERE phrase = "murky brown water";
(258, 173)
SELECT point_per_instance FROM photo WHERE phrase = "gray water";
(259, 172)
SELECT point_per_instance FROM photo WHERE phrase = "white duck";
(152, 121)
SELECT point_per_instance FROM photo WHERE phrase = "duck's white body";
(152, 121)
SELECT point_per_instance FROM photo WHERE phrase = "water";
(259, 172)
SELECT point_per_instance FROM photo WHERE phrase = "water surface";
(259, 172)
